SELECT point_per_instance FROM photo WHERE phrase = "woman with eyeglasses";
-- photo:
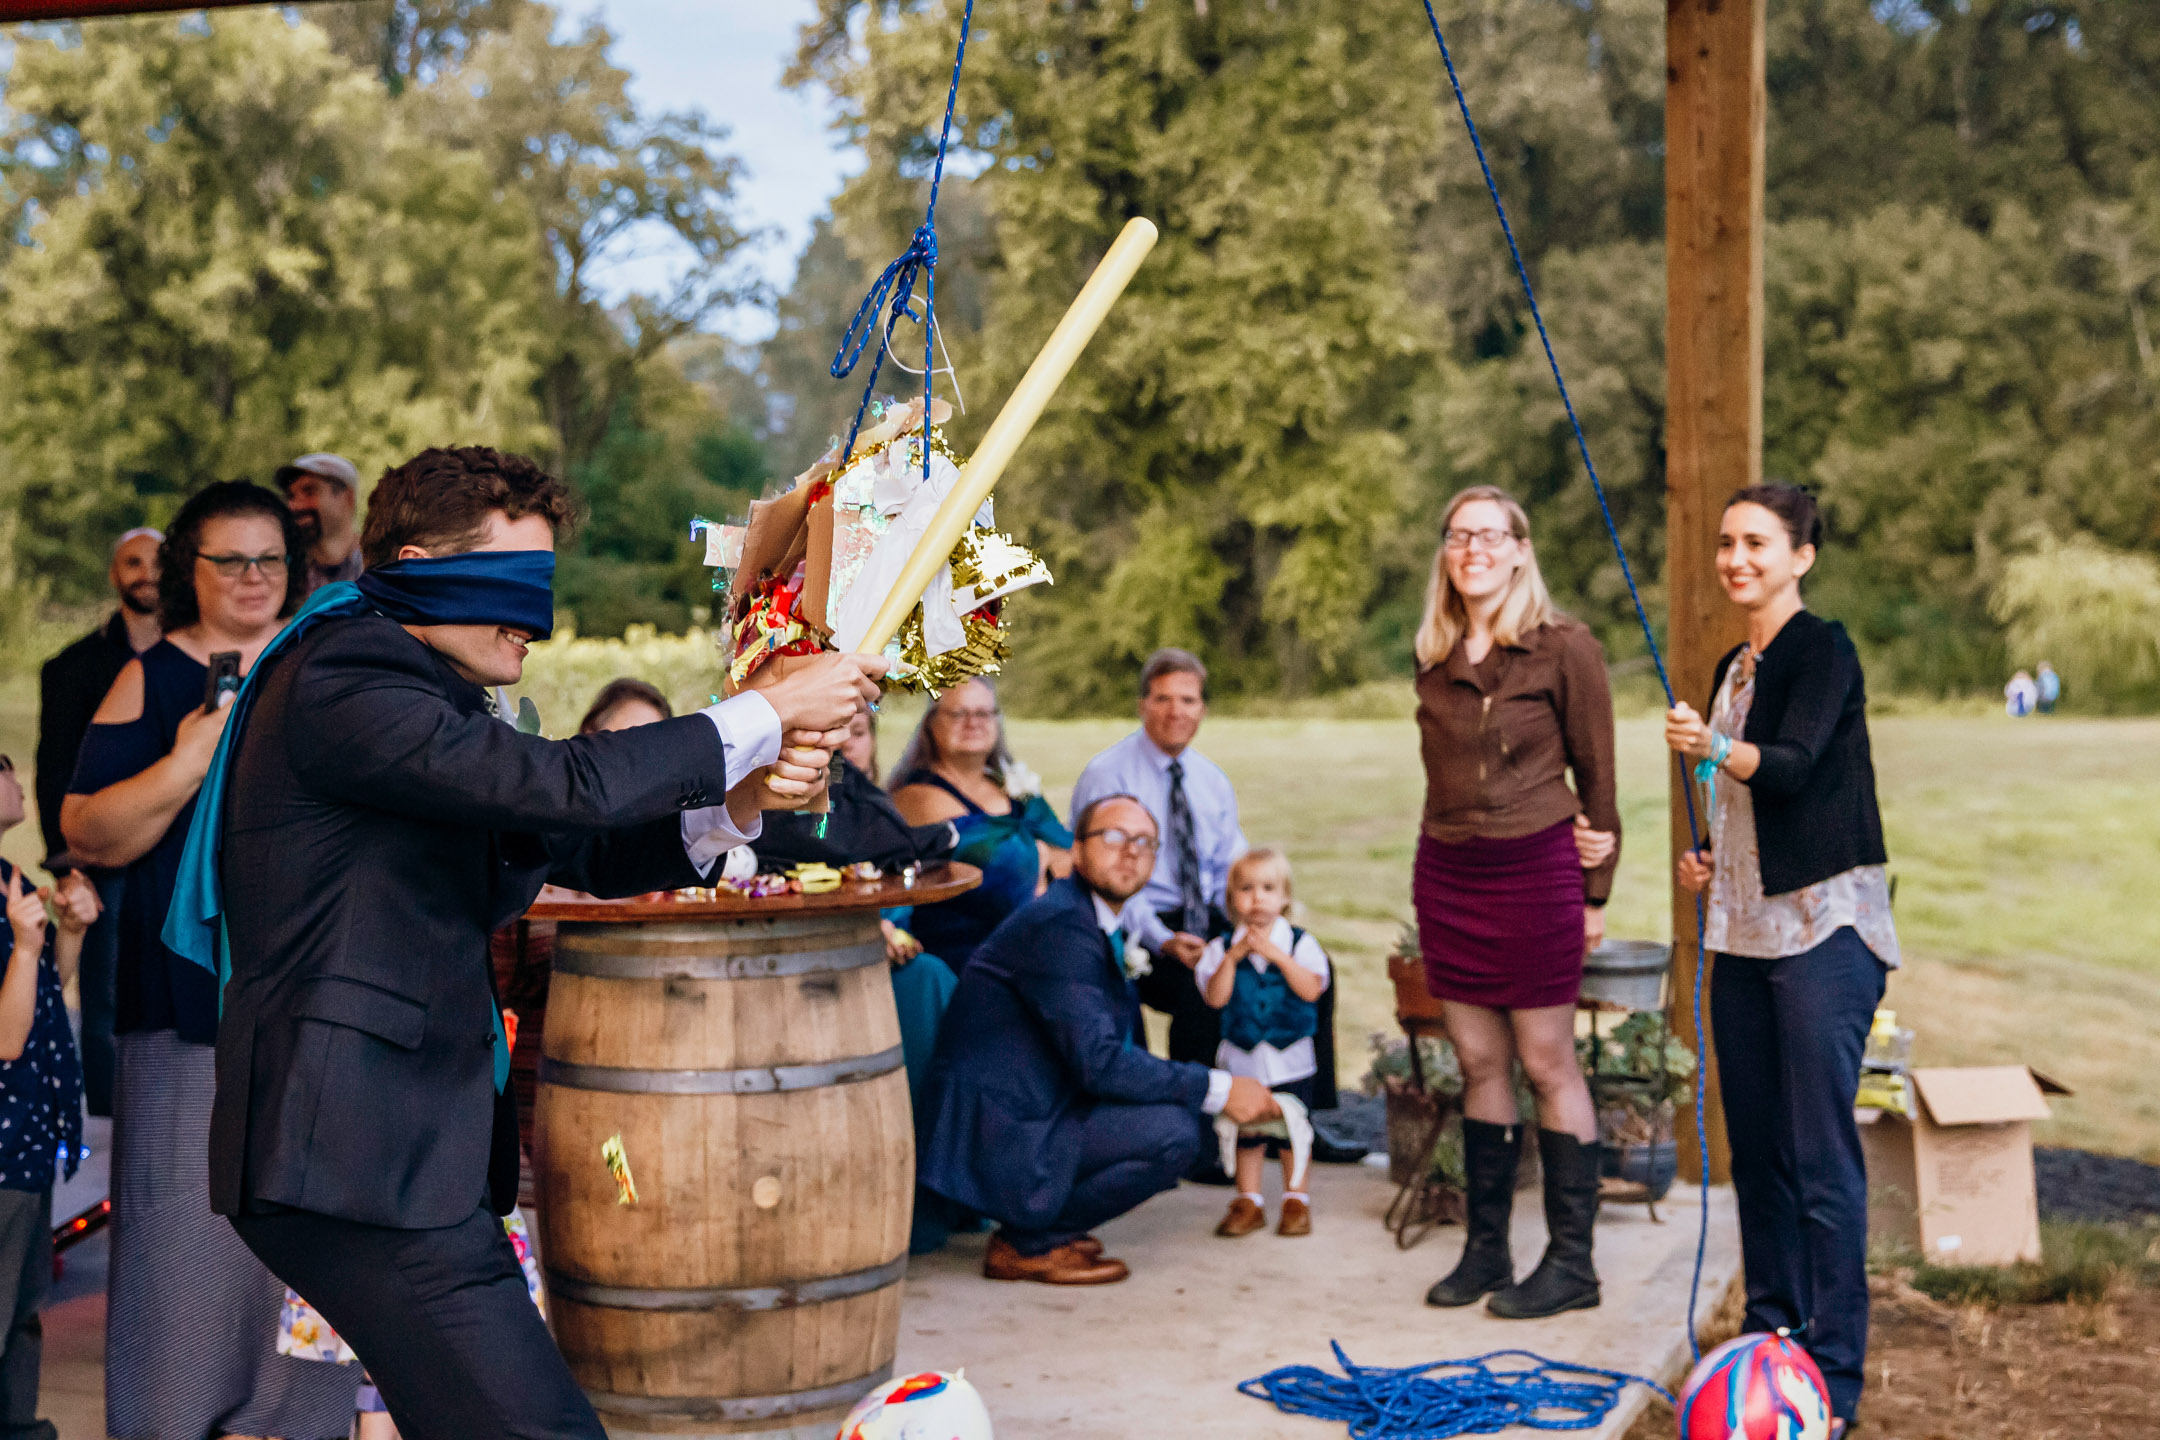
(1513, 869)
(958, 768)
(191, 1315)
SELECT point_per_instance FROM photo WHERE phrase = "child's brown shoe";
(1244, 1218)
(1296, 1218)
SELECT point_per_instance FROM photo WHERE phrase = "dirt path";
(2022, 1372)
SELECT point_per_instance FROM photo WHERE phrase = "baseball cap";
(323, 463)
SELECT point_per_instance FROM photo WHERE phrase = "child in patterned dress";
(40, 1104)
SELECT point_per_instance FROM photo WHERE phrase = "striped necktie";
(1185, 857)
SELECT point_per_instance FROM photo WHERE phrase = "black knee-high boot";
(1565, 1279)
(1490, 1153)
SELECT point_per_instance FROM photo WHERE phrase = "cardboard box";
(1955, 1181)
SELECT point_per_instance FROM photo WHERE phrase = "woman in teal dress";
(957, 768)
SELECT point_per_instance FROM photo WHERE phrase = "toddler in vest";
(1264, 979)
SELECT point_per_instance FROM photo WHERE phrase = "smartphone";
(224, 677)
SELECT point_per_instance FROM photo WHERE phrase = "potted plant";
(1639, 1073)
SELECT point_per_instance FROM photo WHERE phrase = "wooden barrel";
(748, 1055)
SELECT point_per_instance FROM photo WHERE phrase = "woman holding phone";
(1798, 925)
(232, 571)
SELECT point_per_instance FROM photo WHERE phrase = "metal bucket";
(1627, 973)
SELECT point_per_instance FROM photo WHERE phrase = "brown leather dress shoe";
(1062, 1266)
(1244, 1218)
(1296, 1218)
(1089, 1246)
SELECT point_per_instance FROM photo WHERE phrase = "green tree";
(231, 248)
(1246, 461)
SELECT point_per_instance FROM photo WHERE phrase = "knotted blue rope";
(1471, 1397)
(1642, 617)
(896, 284)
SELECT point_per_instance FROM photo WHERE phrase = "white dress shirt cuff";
(710, 832)
(750, 728)
(1218, 1092)
(1145, 927)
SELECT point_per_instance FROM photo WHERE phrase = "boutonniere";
(1137, 962)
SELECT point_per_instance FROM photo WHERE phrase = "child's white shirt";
(1265, 1063)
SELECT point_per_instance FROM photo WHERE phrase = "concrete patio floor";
(1161, 1354)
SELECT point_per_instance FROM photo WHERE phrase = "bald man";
(70, 688)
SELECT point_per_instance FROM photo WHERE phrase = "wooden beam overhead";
(12, 11)
(1715, 108)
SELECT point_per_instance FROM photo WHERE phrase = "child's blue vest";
(1264, 1010)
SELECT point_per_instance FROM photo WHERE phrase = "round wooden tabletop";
(932, 883)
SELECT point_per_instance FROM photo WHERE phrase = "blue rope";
(897, 282)
(1472, 1398)
(1642, 617)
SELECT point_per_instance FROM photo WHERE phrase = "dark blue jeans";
(1789, 1033)
(1127, 1153)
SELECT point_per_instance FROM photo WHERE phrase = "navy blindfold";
(480, 587)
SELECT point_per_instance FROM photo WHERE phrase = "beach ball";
(931, 1405)
(1758, 1387)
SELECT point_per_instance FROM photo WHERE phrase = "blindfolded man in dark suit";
(379, 821)
(1041, 1110)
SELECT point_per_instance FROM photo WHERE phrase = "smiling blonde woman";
(1513, 867)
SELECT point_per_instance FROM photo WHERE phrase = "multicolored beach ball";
(929, 1406)
(1758, 1387)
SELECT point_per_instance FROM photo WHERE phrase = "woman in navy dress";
(957, 768)
(191, 1315)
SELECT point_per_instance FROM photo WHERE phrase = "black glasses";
(232, 567)
(1489, 539)
(1125, 840)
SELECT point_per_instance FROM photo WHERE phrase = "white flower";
(1021, 783)
(1137, 962)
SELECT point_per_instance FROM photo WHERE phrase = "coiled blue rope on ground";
(1468, 1397)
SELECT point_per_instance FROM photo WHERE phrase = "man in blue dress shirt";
(1181, 907)
(1196, 811)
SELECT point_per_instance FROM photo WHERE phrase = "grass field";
(2026, 854)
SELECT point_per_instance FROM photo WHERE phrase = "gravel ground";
(2074, 1184)
(2081, 1185)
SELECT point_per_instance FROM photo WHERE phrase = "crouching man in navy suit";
(1044, 1109)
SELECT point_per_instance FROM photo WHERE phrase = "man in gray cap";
(324, 493)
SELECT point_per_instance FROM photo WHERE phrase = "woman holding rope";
(1513, 869)
(1798, 924)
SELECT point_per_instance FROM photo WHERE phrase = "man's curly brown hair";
(440, 500)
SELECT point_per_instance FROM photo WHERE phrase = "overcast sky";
(725, 57)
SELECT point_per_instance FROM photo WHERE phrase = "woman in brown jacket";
(1513, 868)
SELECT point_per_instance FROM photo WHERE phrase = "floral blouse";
(41, 1089)
(1744, 921)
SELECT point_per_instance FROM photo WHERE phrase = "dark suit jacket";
(70, 688)
(1814, 792)
(381, 823)
(1043, 1028)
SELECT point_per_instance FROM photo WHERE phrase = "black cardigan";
(1814, 790)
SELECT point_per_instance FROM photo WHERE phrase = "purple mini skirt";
(1500, 922)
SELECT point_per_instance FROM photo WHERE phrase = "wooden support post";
(1714, 122)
